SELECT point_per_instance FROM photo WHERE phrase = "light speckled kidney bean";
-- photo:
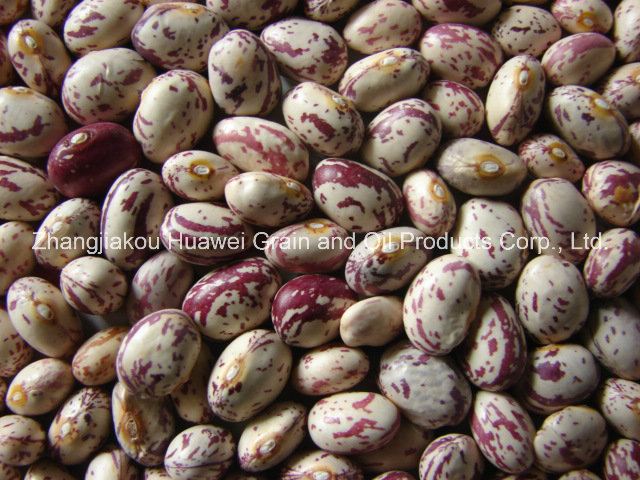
(430, 204)
(94, 363)
(93, 285)
(477, 167)
(248, 375)
(159, 124)
(588, 122)
(81, 426)
(249, 14)
(38, 55)
(614, 399)
(177, 35)
(306, 311)
(316, 245)
(40, 387)
(16, 254)
(328, 10)
(355, 196)
(6, 69)
(100, 24)
(489, 234)
(110, 465)
(461, 53)
(626, 32)
(405, 372)
(579, 59)
(105, 86)
(441, 303)
(366, 421)
(556, 376)
(382, 24)
(133, 208)
(523, 29)
(197, 175)
(190, 398)
(307, 50)
(255, 144)
(577, 16)
(52, 12)
(327, 121)
(234, 298)
(621, 88)
(452, 456)
(160, 282)
(243, 75)
(494, 353)
(378, 80)
(15, 353)
(267, 199)
(143, 427)
(155, 473)
(386, 261)
(77, 218)
(571, 438)
(579, 475)
(22, 440)
(514, 100)
(47, 470)
(26, 192)
(31, 124)
(272, 436)
(459, 108)
(551, 299)
(612, 334)
(329, 369)
(157, 354)
(503, 431)
(558, 218)
(402, 137)
(471, 12)
(374, 321)
(43, 319)
(547, 155)
(613, 264)
(622, 460)
(12, 10)
(204, 233)
(320, 464)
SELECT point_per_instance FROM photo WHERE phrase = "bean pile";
(320, 240)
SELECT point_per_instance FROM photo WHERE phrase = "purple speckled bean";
(557, 376)
(40, 387)
(571, 438)
(156, 473)
(626, 30)
(143, 428)
(320, 464)
(190, 398)
(81, 426)
(402, 137)
(52, 12)
(105, 86)
(366, 422)
(248, 87)
(157, 354)
(461, 53)
(233, 299)
(618, 399)
(452, 456)
(622, 460)
(523, 29)
(255, 144)
(177, 35)
(250, 14)
(430, 203)
(39, 56)
(22, 440)
(328, 10)
(577, 16)
(613, 264)
(15, 353)
(494, 353)
(503, 431)
(373, 321)
(547, 155)
(579, 475)
(160, 282)
(110, 465)
(471, 12)
(94, 363)
(249, 374)
(26, 193)
(307, 50)
(75, 218)
(405, 372)
(382, 24)
(459, 108)
(355, 196)
(306, 311)
(16, 254)
(441, 303)
(47, 470)
(622, 89)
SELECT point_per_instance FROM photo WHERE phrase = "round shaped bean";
(15, 353)
(524, 29)
(94, 363)
(614, 399)
(22, 440)
(16, 254)
(583, 15)
(547, 156)
(373, 321)
(26, 192)
(460, 109)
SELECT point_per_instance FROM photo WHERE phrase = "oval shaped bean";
(94, 363)
(614, 399)
(471, 12)
(26, 193)
(52, 12)
(22, 440)
(612, 189)
(547, 156)
(622, 89)
(249, 14)
(111, 464)
(328, 11)
(16, 253)
(15, 353)
(524, 29)
(453, 456)
(583, 16)
(460, 109)
(322, 464)
(625, 30)
(12, 10)
(622, 459)
(373, 321)
(46, 469)
(430, 203)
